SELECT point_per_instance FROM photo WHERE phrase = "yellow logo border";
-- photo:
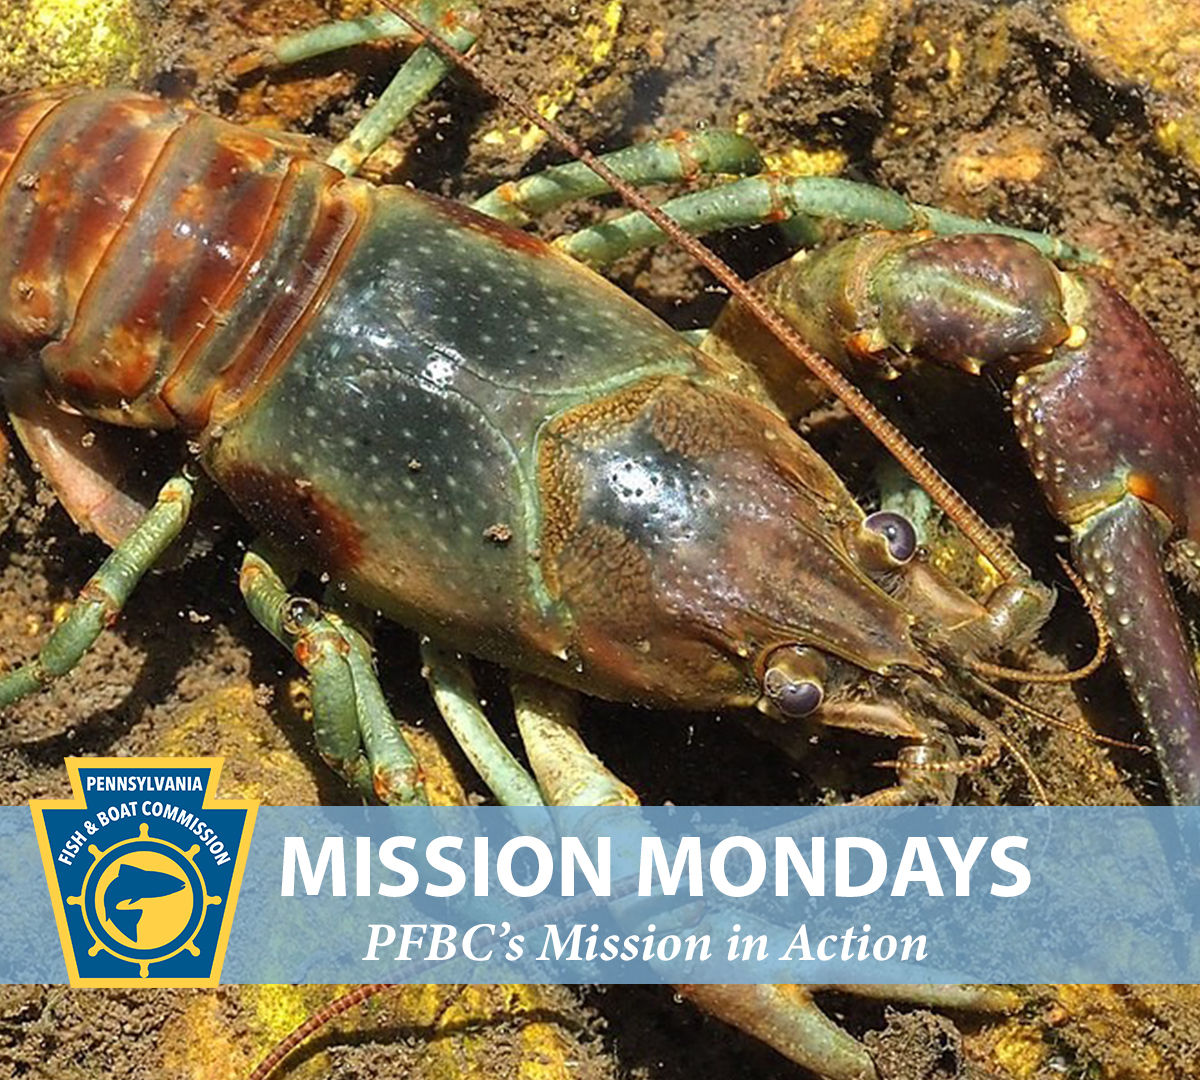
(79, 802)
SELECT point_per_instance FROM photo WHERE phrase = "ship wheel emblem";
(144, 900)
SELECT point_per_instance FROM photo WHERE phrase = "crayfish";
(474, 435)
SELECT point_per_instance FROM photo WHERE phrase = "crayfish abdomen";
(161, 259)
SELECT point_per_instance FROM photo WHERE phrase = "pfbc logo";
(144, 867)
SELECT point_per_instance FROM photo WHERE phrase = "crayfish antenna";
(1054, 721)
(312, 1025)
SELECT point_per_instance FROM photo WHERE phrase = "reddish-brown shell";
(134, 232)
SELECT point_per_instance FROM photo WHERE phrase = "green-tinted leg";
(568, 773)
(101, 599)
(453, 688)
(662, 161)
(455, 20)
(354, 729)
(786, 1018)
(759, 199)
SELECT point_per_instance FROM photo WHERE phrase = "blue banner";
(685, 895)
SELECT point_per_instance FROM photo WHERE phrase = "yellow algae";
(200, 1045)
(1111, 1026)
(1150, 43)
(801, 161)
(843, 39)
(97, 42)
(601, 34)
(1019, 1050)
(351, 9)
(969, 57)
(545, 1052)
(1108, 1032)
(443, 785)
(954, 64)
(599, 28)
(1181, 136)
(280, 1009)
(260, 761)
(458, 1030)
(1153, 42)
(983, 160)
(212, 1041)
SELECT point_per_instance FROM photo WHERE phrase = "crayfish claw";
(1108, 420)
(1120, 552)
(1112, 430)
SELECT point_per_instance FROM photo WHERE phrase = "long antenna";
(318, 1020)
(956, 508)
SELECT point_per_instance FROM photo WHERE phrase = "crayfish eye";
(794, 681)
(897, 530)
(796, 698)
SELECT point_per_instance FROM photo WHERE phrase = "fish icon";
(130, 888)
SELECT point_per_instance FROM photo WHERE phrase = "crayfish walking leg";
(354, 729)
(785, 1017)
(100, 601)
